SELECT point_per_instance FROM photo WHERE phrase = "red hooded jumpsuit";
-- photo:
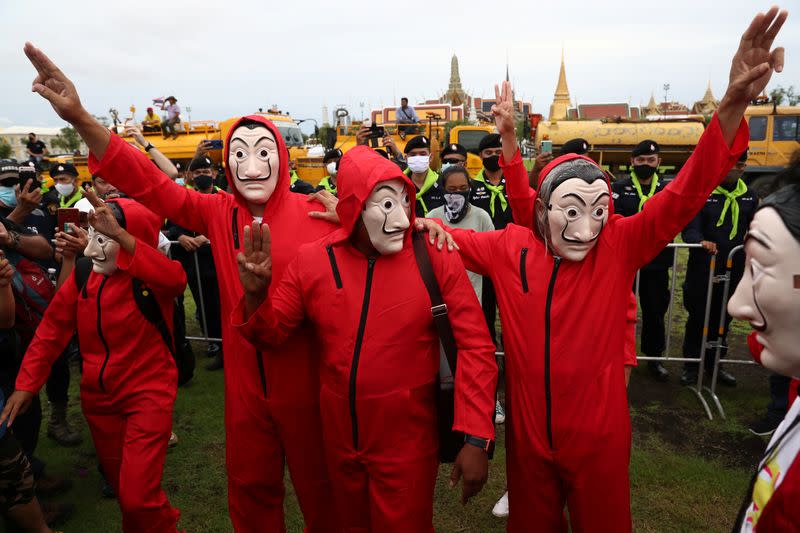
(271, 396)
(568, 426)
(380, 359)
(129, 378)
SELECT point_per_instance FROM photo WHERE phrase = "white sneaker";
(500, 509)
(499, 413)
(173, 440)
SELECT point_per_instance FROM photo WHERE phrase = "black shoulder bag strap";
(447, 366)
(148, 305)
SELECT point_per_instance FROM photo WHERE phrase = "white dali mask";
(576, 214)
(103, 251)
(254, 162)
(768, 296)
(386, 216)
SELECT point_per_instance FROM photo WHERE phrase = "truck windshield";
(292, 135)
(471, 139)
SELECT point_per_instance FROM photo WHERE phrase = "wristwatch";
(484, 444)
(149, 147)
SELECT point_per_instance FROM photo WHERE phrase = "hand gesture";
(102, 219)
(255, 260)
(17, 403)
(6, 271)
(69, 245)
(133, 131)
(202, 149)
(503, 110)
(54, 86)
(329, 201)
(28, 200)
(754, 63)
(472, 464)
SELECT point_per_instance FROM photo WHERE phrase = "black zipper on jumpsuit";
(100, 334)
(362, 323)
(550, 288)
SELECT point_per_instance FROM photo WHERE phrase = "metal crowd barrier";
(719, 345)
(697, 389)
(201, 304)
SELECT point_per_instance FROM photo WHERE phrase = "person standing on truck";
(720, 227)
(630, 196)
(173, 117)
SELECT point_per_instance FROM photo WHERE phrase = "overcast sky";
(227, 58)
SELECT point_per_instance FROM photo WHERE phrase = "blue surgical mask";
(8, 195)
(180, 181)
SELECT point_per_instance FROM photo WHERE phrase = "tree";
(5, 149)
(68, 140)
(780, 95)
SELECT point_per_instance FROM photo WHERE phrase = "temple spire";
(561, 99)
(455, 77)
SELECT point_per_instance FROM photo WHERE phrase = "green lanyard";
(294, 178)
(730, 201)
(497, 192)
(326, 182)
(430, 181)
(636, 185)
(65, 201)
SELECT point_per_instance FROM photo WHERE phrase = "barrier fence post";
(723, 314)
(671, 298)
(201, 303)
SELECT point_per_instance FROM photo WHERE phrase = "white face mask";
(386, 216)
(574, 225)
(331, 168)
(419, 163)
(103, 252)
(254, 162)
(65, 189)
(769, 294)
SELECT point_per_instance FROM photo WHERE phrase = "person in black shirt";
(36, 149)
(331, 162)
(719, 227)
(489, 186)
(425, 180)
(630, 195)
(202, 174)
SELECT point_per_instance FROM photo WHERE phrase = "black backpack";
(148, 305)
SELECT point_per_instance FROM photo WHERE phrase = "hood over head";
(136, 219)
(563, 159)
(282, 174)
(360, 170)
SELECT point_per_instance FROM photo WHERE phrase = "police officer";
(429, 192)
(202, 176)
(453, 154)
(630, 195)
(66, 192)
(331, 162)
(578, 146)
(295, 183)
(719, 227)
(488, 187)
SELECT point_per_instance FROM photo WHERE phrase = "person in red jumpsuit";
(563, 290)
(129, 377)
(271, 396)
(362, 290)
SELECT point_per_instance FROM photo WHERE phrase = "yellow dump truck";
(774, 138)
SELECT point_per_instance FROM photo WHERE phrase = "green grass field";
(687, 473)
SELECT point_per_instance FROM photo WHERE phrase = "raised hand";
(503, 110)
(68, 245)
(102, 219)
(754, 62)
(255, 260)
(54, 86)
(135, 132)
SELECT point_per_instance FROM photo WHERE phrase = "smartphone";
(376, 132)
(29, 173)
(546, 147)
(215, 144)
(67, 215)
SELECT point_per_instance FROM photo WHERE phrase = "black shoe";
(726, 378)
(689, 377)
(765, 426)
(216, 363)
(107, 491)
(658, 371)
